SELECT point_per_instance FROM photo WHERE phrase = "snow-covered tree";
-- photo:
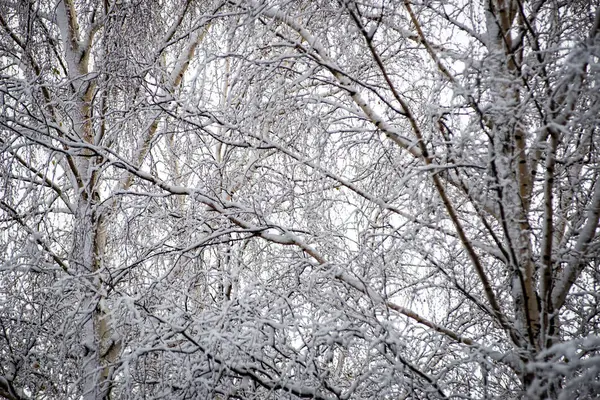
(299, 199)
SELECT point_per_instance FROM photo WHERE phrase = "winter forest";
(299, 199)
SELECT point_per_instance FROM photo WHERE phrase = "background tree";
(300, 199)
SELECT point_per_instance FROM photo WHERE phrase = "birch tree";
(299, 199)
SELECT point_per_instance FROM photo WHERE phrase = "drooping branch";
(450, 209)
(55, 187)
(36, 237)
(230, 210)
(547, 307)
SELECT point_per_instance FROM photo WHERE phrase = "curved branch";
(427, 159)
